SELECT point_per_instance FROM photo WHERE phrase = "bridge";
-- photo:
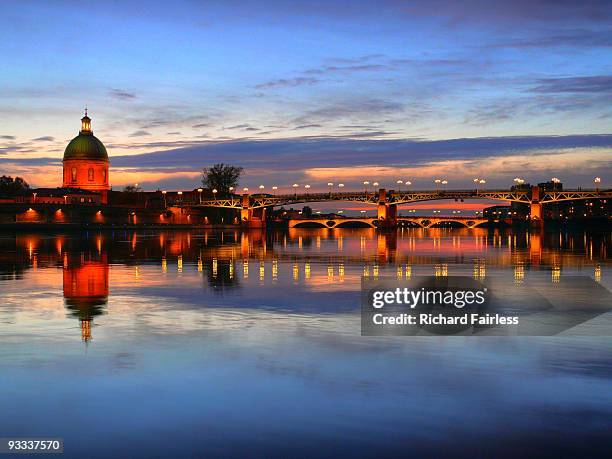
(253, 207)
(422, 222)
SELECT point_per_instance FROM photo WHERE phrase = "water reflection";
(86, 287)
(225, 258)
(260, 333)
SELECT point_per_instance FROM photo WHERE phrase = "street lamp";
(519, 181)
(399, 185)
(231, 189)
(307, 188)
(214, 191)
(245, 189)
(375, 184)
(340, 185)
(330, 184)
(555, 180)
(274, 188)
(444, 182)
(200, 194)
(365, 184)
(597, 181)
(437, 182)
(408, 183)
(164, 194)
(295, 187)
(261, 187)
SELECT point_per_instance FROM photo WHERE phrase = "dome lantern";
(86, 124)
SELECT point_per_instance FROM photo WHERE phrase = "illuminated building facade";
(86, 162)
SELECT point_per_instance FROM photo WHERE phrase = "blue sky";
(192, 81)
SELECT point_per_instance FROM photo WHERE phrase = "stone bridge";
(423, 222)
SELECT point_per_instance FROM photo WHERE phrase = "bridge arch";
(310, 224)
(355, 224)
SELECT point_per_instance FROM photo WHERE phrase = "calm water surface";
(195, 344)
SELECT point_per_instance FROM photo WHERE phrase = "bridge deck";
(397, 197)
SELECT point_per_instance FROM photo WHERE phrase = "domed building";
(86, 162)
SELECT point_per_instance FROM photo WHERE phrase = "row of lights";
(366, 183)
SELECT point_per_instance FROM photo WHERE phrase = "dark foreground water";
(208, 345)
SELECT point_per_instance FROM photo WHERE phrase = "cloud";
(307, 126)
(581, 38)
(7, 137)
(243, 126)
(328, 69)
(353, 108)
(288, 83)
(576, 159)
(139, 134)
(600, 84)
(493, 112)
(46, 138)
(173, 133)
(122, 94)
(200, 125)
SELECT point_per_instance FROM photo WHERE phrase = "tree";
(10, 186)
(306, 211)
(221, 177)
(132, 189)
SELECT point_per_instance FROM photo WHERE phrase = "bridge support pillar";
(250, 217)
(535, 210)
(387, 213)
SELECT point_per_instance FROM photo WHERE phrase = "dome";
(86, 146)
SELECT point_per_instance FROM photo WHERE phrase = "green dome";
(86, 146)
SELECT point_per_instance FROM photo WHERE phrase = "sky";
(311, 91)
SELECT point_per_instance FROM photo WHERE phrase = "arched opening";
(408, 224)
(448, 224)
(310, 225)
(354, 224)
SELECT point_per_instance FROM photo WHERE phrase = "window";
(104, 175)
(74, 174)
(90, 174)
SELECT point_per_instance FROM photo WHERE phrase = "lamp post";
(274, 188)
(365, 184)
(231, 189)
(375, 184)
(330, 184)
(245, 190)
(295, 187)
(65, 199)
(399, 185)
(407, 183)
(180, 194)
(340, 185)
(200, 194)
(307, 187)
(214, 192)
(437, 182)
(261, 188)
(444, 182)
(164, 195)
(597, 181)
